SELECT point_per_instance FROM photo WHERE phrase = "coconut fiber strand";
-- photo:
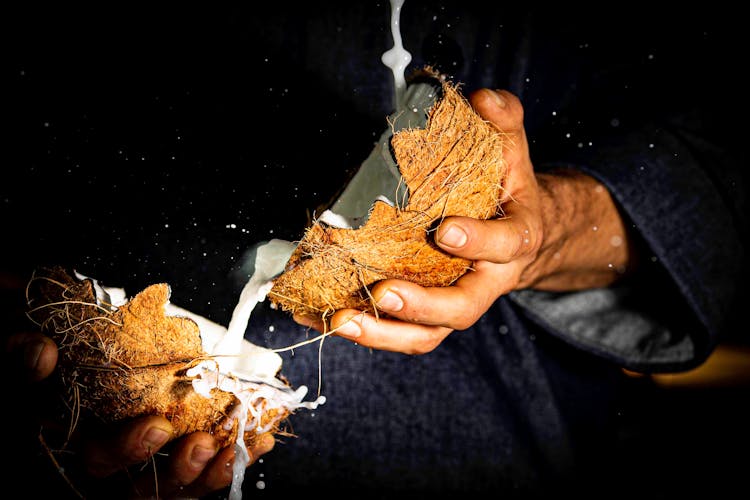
(452, 166)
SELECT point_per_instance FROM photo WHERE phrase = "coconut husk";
(453, 166)
(120, 363)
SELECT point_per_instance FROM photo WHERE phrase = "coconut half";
(123, 358)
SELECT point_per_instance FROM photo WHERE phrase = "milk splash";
(236, 365)
(397, 58)
(246, 370)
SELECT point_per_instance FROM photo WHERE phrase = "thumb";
(499, 107)
(495, 240)
(34, 353)
(132, 442)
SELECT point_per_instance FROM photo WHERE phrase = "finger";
(265, 443)
(187, 461)
(315, 323)
(455, 307)
(219, 472)
(387, 334)
(34, 353)
(496, 240)
(216, 475)
(505, 111)
(499, 107)
(134, 442)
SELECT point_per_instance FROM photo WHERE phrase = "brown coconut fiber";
(119, 363)
(454, 166)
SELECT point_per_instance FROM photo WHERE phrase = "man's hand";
(557, 231)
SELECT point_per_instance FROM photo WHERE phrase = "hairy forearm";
(585, 243)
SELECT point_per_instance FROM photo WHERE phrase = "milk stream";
(236, 365)
(246, 370)
(397, 58)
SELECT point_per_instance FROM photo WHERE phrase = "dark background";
(158, 145)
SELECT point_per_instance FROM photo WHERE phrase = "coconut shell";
(453, 166)
(120, 363)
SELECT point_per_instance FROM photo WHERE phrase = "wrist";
(585, 243)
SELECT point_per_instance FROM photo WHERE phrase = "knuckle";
(468, 313)
(424, 347)
(462, 323)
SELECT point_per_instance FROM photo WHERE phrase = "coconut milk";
(397, 58)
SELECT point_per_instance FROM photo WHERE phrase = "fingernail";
(200, 456)
(497, 98)
(453, 236)
(31, 353)
(390, 302)
(155, 438)
(349, 329)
